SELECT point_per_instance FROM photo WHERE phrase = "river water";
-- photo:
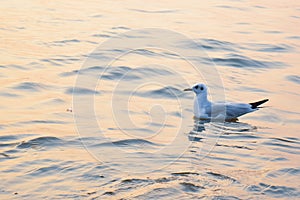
(93, 106)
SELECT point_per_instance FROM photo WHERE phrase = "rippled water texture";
(141, 141)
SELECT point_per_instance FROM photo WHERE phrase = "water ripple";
(210, 45)
(218, 45)
(190, 187)
(60, 60)
(64, 42)
(43, 122)
(80, 91)
(154, 11)
(41, 142)
(253, 160)
(120, 28)
(101, 35)
(293, 78)
(15, 67)
(130, 143)
(8, 94)
(221, 176)
(279, 48)
(236, 60)
(31, 86)
(165, 92)
(277, 191)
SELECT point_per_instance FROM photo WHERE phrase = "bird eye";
(196, 86)
(201, 88)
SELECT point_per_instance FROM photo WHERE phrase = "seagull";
(206, 110)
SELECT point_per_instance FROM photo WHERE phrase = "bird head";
(198, 88)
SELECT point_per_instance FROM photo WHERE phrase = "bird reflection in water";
(199, 126)
(205, 128)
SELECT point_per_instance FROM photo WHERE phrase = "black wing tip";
(256, 104)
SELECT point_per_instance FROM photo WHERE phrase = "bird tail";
(256, 104)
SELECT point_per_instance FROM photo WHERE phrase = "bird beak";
(188, 89)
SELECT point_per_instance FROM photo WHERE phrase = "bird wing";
(232, 110)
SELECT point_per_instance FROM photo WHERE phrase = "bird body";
(204, 109)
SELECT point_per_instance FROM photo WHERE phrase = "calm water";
(132, 135)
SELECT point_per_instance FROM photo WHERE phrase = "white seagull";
(204, 109)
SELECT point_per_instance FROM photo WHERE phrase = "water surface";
(254, 45)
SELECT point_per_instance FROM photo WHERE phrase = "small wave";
(50, 61)
(283, 145)
(165, 92)
(221, 176)
(101, 35)
(232, 7)
(190, 187)
(41, 142)
(94, 70)
(273, 32)
(127, 73)
(150, 71)
(134, 180)
(4, 155)
(120, 28)
(294, 37)
(234, 146)
(293, 78)
(120, 72)
(184, 173)
(80, 91)
(160, 193)
(31, 86)
(11, 144)
(218, 45)
(129, 143)
(252, 89)
(291, 171)
(288, 140)
(146, 52)
(60, 60)
(54, 101)
(235, 60)
(45, 171)
(261, 7)
(276, 191)
(217, 197)
(6, 94)
(46, 167)
(210, 45)
(270, 48)
(134, 141)
(64, 42)
(154, 11)
(43, 122)
(156, 53)
(117, 73)
(128, 185)
(7, 138)
(16, 67)
(97, 16)
(108, 193)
